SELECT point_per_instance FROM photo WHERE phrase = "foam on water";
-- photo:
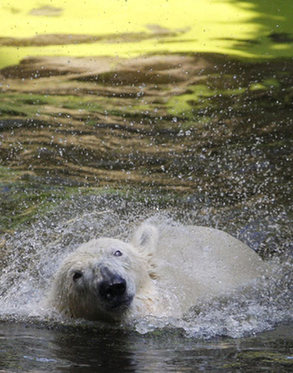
(32, 256)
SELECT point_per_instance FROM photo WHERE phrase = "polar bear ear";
(146, 238)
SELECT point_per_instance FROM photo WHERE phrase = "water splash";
(32, 256)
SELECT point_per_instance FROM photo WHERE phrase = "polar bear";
(159, 273)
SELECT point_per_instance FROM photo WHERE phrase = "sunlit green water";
(255, 29)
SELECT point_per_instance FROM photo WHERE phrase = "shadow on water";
(273, 34)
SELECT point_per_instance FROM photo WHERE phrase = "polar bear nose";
(112, 287)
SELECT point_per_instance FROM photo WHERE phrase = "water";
(26, 348)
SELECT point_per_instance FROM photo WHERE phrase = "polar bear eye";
(76, 275)
(117, 253)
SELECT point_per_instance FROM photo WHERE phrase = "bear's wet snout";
(110, 290)
(112, 287)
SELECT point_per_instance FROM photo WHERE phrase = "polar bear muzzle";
(113, 290)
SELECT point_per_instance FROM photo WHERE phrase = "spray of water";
(32, 256)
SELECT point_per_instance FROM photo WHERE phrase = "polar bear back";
(201, 262)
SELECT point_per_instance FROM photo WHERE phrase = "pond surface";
(215, 131)
(252, 28)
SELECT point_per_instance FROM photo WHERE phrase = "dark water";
(27, 349)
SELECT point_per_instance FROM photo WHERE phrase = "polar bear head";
(104, 277)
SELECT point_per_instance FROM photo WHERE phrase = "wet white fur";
(167, 271)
